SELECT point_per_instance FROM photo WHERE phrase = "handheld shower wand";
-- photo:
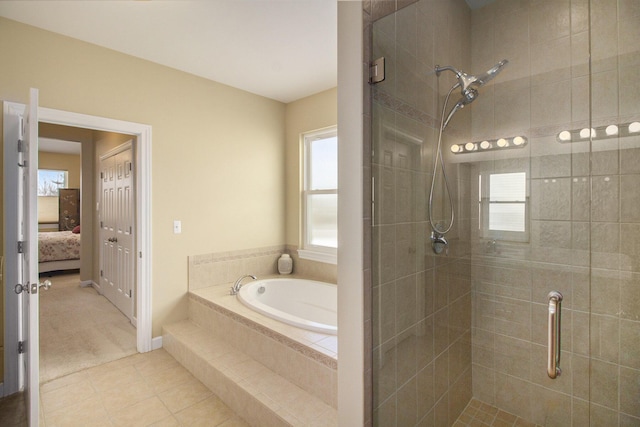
(468, 85)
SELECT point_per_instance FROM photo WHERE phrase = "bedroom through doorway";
(79, 327)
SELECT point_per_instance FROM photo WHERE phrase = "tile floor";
(480, 414)
(149, 389)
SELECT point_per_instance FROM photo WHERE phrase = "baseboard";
(156, 343)
(95, 286)
(2, 389)
(87, 283)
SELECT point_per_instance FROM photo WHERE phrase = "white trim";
(95, 286)
(143, 204)
(351, 343)
(11, 383)
(329, 258)
(87, 284)
(156, 343)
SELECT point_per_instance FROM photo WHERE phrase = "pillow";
(76, 230)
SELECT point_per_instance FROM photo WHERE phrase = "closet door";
(124, 232)
(117, 216)
(107, 228)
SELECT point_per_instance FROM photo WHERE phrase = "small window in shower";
(320, 196)
(503, 206)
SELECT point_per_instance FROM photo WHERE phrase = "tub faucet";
(236, 286)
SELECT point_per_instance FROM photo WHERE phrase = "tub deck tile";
(259, 395)
(313, 344)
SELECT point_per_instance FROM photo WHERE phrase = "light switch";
(177, 227)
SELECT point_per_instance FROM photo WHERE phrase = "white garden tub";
(307, 304)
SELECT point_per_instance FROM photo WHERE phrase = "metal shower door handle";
(553, 350)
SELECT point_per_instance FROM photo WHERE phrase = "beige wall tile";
(630, 297)
(549, 407)
(629, 343)
(425, 396)
(407, 403)
(604, 383)
(513, 395)
(629, 391)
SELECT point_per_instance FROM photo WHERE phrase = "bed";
(58, 250)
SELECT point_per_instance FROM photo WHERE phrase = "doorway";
(142, 134)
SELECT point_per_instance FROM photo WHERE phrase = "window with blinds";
(503, 206)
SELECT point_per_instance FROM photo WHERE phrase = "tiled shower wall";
(583, 203)
(421, 304)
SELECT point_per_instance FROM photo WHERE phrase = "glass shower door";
(614, 389)
(543, 169)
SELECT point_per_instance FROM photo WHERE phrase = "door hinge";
(101, 273)
(130, 230)
(21, 347)
(101, 175)
(376, 71)
(21, 146)
(101, 224)
(21, 246)
(130, 166)
(130, 293)
(23, 130)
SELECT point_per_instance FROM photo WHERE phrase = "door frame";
(143, 134)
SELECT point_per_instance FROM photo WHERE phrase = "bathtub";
(307, 304)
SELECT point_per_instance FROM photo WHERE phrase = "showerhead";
(469, 83)
(466, 81)
(491, 73)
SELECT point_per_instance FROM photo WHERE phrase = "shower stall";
(505, 213)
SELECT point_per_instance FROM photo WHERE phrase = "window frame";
(484, 204)
(307, 250)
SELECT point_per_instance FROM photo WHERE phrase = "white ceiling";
(280, 49)
(58, 146)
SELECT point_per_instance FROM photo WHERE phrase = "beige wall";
(48, 206)
(217, 152)
(307, 114)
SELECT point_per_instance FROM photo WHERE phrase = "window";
(320, 196)
(503, 206)
(50, 181)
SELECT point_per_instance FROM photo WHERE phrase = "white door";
(107, 230)
(117, 216)
(28, 256)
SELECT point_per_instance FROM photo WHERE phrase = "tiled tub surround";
(224, 267)
(269, 372)
(251, 332)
